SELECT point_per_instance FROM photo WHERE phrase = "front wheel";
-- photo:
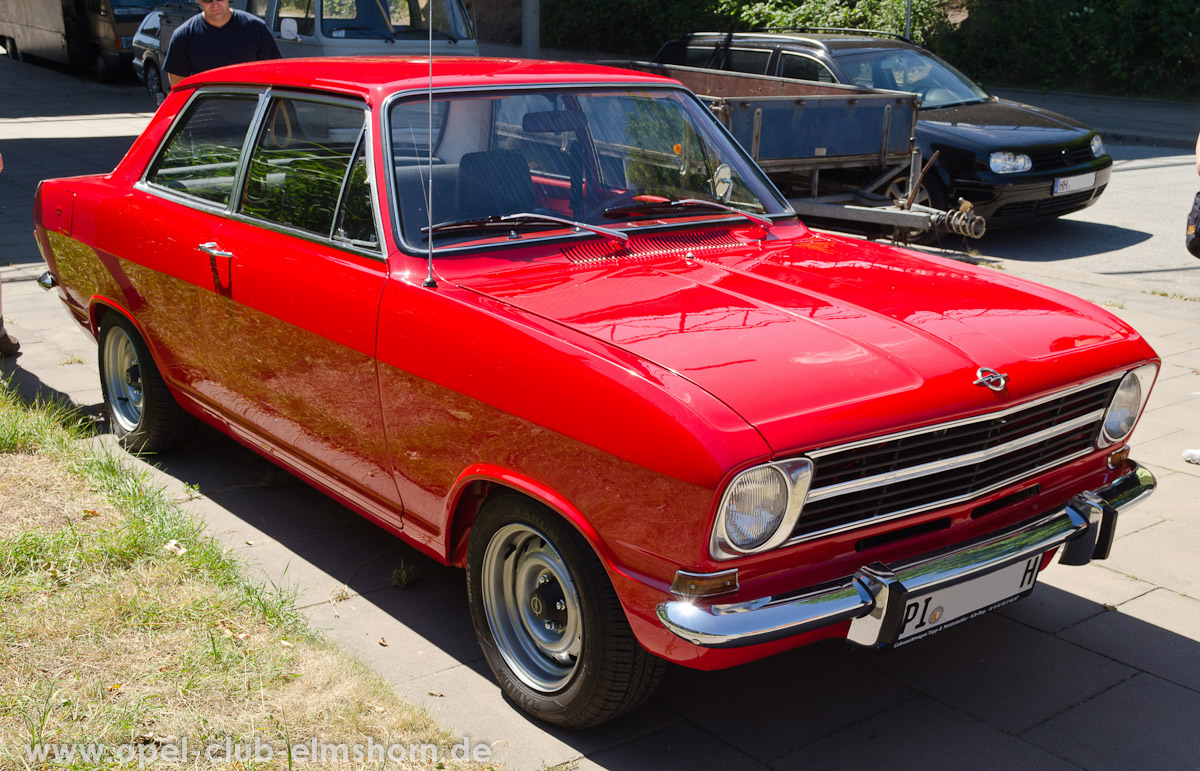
(144, 416)
(548, 620)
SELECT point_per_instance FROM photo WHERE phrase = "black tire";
(105, 72)
(585, 669)
(154, 85)
(10, 46)
(144, 416)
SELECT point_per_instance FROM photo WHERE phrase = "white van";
(368, 27)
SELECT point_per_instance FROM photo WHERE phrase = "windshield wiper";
(952, 104)
(522, 219)
(651, 206)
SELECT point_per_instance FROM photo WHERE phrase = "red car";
(549, 323)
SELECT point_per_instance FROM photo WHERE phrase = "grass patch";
(127, 635)
(1174, 296)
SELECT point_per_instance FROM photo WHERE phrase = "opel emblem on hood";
(989, 377)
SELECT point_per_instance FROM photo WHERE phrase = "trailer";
(94, 33)
(845, 154)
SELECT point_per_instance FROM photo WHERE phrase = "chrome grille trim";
(867, 482)
(949, 464)
(965, 421)
(861, 523)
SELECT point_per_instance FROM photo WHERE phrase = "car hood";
(987, 126)
(821, 339)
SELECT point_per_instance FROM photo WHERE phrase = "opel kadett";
(549, 323)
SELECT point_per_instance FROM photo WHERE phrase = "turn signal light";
(1117, 458)
(704, 584)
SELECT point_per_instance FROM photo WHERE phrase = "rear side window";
(676, 52)
(200, 158)
(299, 172)
(750, 60)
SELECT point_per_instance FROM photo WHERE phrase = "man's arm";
(176, 62)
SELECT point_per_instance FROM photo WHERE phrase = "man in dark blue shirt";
(217, 36)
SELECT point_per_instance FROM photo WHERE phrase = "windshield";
(906, 69)
(389, 19)
(603, 158)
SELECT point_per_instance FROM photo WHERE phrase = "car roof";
(376, 76)
(829, 41)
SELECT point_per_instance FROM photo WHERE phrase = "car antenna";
(429, 281)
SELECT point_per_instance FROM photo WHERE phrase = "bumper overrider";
(874, 598)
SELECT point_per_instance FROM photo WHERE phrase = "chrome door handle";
(211, 248)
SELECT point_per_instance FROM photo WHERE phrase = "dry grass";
(107, 638)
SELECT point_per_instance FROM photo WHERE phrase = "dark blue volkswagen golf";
(1015, 163)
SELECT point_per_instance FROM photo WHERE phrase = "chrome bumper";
(873, 597)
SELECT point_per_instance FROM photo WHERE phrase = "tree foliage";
(640, 27)
(1105, 46)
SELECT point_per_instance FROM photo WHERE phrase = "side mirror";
(288, 30)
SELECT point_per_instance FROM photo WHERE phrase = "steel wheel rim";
(122, 379)
(532, 606)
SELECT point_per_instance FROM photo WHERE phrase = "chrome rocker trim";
(872, 599)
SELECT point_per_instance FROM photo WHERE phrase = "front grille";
(1061, 158)
(916, 471)
(1050, 207)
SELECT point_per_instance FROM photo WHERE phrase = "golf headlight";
(1097, 146)
(760, 507)
(1127, 404)
(1009, 163)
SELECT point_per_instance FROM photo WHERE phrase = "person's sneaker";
(1192, 456)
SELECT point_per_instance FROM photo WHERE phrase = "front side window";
(300, 165)
(803, 67)
(301, 11)
(607, 157)
(201, 156)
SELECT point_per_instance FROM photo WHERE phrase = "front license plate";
(1075, 184)
(925, 614)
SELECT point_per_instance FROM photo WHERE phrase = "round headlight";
(1009, 163)
(1097, 146)
(1124, 409)
(754, 507)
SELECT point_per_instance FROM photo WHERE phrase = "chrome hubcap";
(123, 379)
(532, 607)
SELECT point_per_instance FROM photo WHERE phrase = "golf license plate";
(1074, 184)
(927, 613)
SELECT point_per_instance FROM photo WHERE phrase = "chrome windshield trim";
(863, 523)
(965, 421)
(949, 464)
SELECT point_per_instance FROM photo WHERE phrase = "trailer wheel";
(931, 193)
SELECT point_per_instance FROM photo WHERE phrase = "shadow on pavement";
(1059, 239)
